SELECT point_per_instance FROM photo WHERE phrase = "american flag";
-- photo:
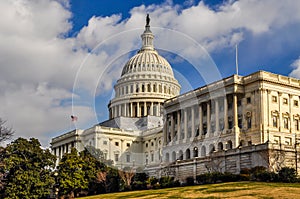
(74, 118)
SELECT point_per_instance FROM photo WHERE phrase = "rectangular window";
(274, 98)
(128, 144)
(104, 142)
(239, 102)
(204, 128)
(277, 140)
(127, 158)
(146, 159)
(296, 124)
(116, 157)
(230, 124)
(117, 143)
(212, 127)
(204, 112)
(221, 108)
(285, 101)
(288, 141)
(285, 123)
(275, 121)
(221, 124)
(248, 100)
(189, 133)
(296, 103)
(105, 155)
(152, 157)
(240, 121)
(249, 122)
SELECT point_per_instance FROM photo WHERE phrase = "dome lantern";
(147, 36)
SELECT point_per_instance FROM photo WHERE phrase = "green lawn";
(223, 190)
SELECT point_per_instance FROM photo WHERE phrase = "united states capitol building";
(235, 123)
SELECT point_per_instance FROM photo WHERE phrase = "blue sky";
(61, 57)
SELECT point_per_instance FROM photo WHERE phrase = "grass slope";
(224, 190)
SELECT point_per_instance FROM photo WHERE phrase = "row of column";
(136, 109)
(169, 134)
(62, 149)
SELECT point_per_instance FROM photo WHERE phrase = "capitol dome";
(147, 80)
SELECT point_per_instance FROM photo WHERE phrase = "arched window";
(148, 88)
(154, 88)
(195, 152)
(203, 151)
(131, 88)
(242, 143)
(143, 88)
(180, 154)
(173, 156)
(229, 144)
(211, 148)
(187, 154)
(220, 146)
(167, 157)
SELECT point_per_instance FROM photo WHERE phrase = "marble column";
(178, 125)
(145, 109)
(158, 109)
(165, 131)
(138, 109)
(200, 120)
(235, 112)
(125, 109)
(131, 109)
(280, 112)
(292, 127)
(217, 114)
(185, 123)
(235, 121)
(151, 109)
(208, 117)
(225, 113)
(193, 122)
(172, 127)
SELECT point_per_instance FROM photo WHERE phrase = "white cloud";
(40, 65)
(296, 71)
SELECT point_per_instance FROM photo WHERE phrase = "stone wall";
(232, 161)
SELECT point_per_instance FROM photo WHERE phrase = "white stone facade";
(234, 115)
(228, 125)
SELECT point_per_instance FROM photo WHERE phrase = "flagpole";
(236, 60)
(70, 125)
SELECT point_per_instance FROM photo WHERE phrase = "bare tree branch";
(127, 176)
(5, 132)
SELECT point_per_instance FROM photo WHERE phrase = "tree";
(27, 168)
(126, 175)
(92, 165)
(71, 174)
(101, 178)
(5, 132)
(287, 174)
